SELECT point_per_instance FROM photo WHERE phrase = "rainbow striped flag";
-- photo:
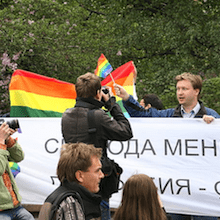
(33, 95)
(15, 169)
(123, 76)
(104, 67)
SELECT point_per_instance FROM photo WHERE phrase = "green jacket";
(14, 154)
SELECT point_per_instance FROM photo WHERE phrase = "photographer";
(10, 150)
(87, 122)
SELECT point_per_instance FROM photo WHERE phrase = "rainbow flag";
(15, 169)
(123, 76)
(103, 68)
(33, 95)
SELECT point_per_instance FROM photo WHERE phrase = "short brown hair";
(87, 85)
(73, 157)
(195, 80)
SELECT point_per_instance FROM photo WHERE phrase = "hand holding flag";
(121, 92)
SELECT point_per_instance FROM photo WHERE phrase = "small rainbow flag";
(33, 95)
(104, 67)
(15, 169)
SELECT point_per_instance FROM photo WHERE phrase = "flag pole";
(112, 78)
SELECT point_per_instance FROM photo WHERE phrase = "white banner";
(182, 155)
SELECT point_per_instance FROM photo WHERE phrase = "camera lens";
(14, 124)
(105, 91)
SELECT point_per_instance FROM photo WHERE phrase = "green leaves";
(64, 39)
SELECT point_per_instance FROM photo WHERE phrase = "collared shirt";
(191, 114)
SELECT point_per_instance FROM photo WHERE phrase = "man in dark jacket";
(79, 172)
(76, 126)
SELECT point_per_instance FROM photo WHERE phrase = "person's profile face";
(93, 176)
(142, 103)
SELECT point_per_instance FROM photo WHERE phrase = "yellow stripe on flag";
(40, 102)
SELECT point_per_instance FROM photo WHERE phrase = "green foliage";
(64, 39)
(211, 93)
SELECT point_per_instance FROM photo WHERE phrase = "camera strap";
(92, 127)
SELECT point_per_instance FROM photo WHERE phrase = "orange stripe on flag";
(42, 85)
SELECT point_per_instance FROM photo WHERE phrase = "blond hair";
(195, 80)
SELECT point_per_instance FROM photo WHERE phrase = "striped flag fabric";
(33, 95)
(123, 76)
(104, 67)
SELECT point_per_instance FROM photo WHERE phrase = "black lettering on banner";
(206, 147)
(168, 146)
(116, 143)
(216, 187)
(150, 147)
(135, 141)
(168, 183)
(53, 179)
(184, 185)
(190, 147)
(121, 185)
(47, 147)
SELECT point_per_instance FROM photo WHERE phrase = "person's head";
(88, 85)
(80, 163)
(151, 100)
(188, 88)
(140, 200)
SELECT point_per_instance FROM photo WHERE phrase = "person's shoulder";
(73, 205)
(73, 199)
(68, 110)
(212, 112)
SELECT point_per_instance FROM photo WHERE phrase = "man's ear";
(148, 106)
(98, 95)
(79, 176)
(197, 91)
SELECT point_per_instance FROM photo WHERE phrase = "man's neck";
(189, 108)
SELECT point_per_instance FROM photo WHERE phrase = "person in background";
(188, 89)
(140, 200)
(79, 170)
(10, 199)
(151, 100)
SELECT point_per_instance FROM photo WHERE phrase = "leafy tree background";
(64, 39)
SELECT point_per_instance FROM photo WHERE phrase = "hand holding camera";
(106, 93)
(4, 132)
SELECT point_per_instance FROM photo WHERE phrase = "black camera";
(14, 124)
(105, 90)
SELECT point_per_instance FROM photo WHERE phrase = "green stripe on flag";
(21, 111)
